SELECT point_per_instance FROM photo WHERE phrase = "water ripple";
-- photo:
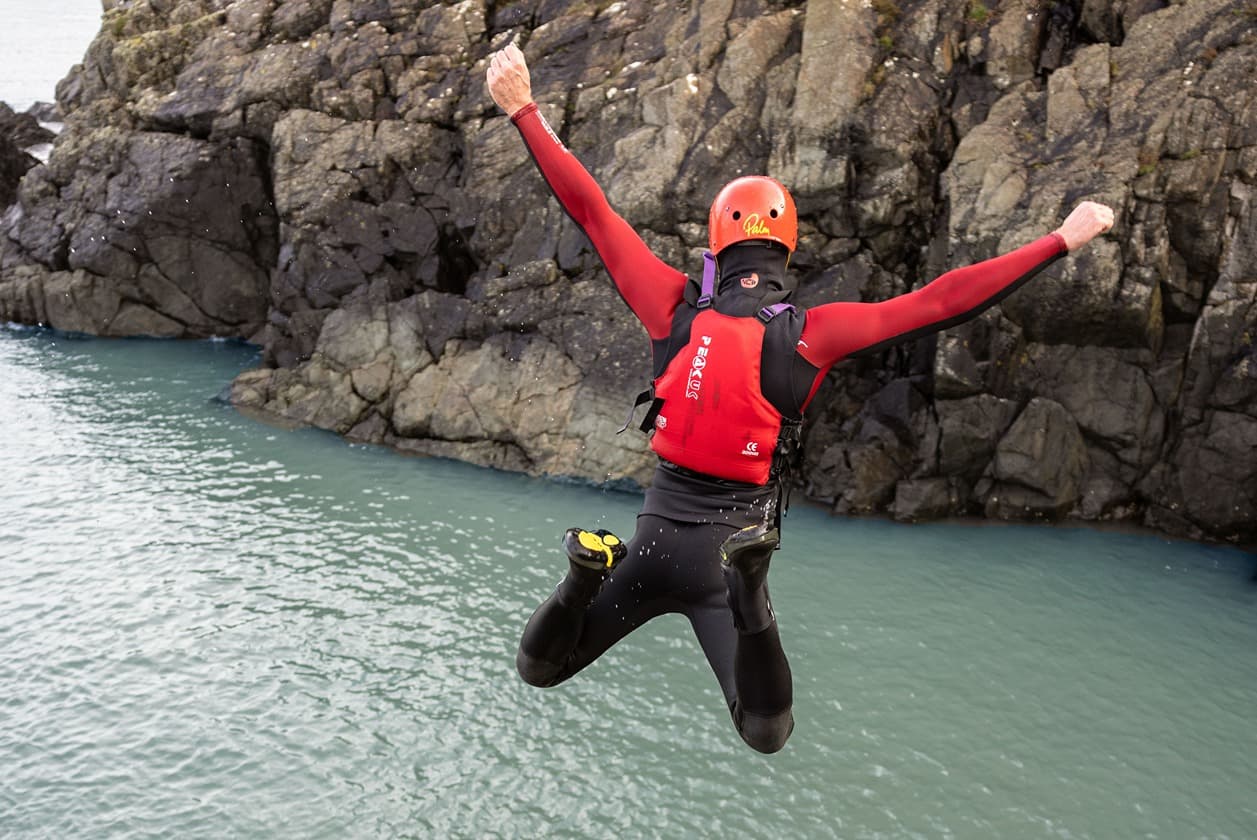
(212, 628)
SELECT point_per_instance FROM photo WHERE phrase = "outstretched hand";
(508, 80)
(1087, 221)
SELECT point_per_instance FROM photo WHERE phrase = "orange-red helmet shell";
(752, 207)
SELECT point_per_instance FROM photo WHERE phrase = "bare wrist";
(516, 110)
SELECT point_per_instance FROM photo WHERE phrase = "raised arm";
(650, 287)
(837, 330)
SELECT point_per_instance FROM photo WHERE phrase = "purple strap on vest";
(769, 312)
(708, 289)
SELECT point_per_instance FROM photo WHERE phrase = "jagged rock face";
(23, 130)
(14, 163)
(156, 234)
(331, 180)
(17, 133)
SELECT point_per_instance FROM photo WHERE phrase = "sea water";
(213, 627)
(39, 43)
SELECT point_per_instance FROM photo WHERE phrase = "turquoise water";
(210, 627)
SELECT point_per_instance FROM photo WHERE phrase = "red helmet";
(752, 207)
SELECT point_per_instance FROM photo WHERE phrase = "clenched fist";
(1087, 221)
(508, 80)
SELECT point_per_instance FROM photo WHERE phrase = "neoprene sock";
(581, 585)
(752, 610)
(555, 628)
(548, 641)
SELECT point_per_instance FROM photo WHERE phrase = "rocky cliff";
(18, 132)
(330, 180)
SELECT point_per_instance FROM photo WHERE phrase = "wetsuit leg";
(670, 567)
(567, 632)
(764, 712)
(752, 668)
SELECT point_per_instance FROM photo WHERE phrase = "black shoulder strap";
(641, 399)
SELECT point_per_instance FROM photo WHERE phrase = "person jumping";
(734, 365)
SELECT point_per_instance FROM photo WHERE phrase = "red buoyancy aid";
(714, 418)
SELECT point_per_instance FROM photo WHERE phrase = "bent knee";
(766, 733)
(537, 672)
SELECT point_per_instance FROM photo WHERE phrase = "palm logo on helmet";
(752, 207)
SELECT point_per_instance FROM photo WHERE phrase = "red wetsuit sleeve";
(834, 331)
(650, 287)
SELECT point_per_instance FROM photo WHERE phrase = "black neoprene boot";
(744, 559)
(591, 556)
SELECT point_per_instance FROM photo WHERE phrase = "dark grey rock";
(14, 163)
(969, 430)
(45, 112)
(23, 130)
(1039, 465)
(924, 499)
(17, 133)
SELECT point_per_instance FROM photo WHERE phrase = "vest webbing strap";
(708, 289)
(788, 441)
(769, 312)
(644, 397)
